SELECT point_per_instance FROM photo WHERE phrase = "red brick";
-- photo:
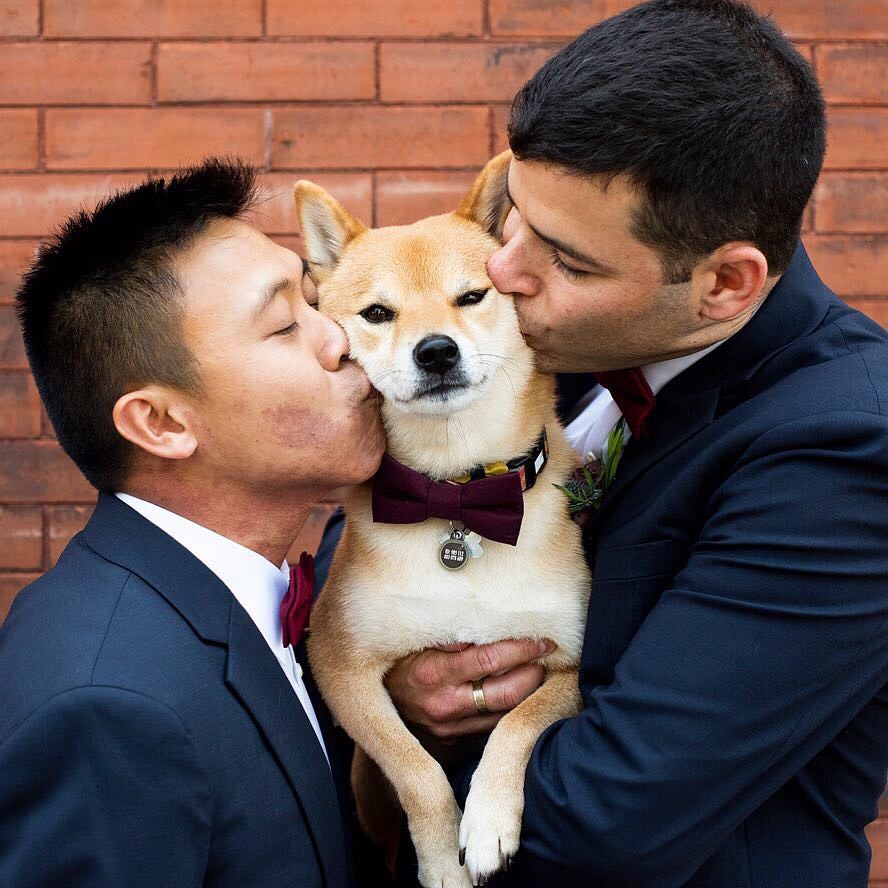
(18, 138)
(206, 72)
(382, 137)
(32, 205)
(276, 213)
(557, 18)
(851, 265)
(152, 18)
(129, 139)
(10, 585)
(19, 18)
(813, 19)
(310, 536)
(15, 257)
(857, 73)
(852, 203)
(500, 140)
(402, 198)
(858, 138)
(39, 471)
(21, 537)
(801, 19)
(75, 73)
(64, 522)
(12, 349)
(370, 18)
(877, 309)
(877, 833)
(19, 406)
(457, 72)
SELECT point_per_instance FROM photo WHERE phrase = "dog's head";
(421, 315)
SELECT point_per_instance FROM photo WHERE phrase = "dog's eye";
(377, 314)
(473, 297)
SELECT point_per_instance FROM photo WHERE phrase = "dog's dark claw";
(507, 865)
(462, 856)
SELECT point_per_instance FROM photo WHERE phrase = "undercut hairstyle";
(101, 308)
(708, 110)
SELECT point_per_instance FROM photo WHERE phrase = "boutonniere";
(591, 480)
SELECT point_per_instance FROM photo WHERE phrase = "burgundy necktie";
(296, 605)
(633, 396)
(492, 507)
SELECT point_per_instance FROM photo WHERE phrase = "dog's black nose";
(436, 354)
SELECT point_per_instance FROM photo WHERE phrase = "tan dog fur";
(387, 596)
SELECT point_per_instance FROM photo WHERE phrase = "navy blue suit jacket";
(735, 723)
(148, 736)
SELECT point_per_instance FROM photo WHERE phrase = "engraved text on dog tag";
(453, 553)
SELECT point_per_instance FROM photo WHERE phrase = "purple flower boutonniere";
(591, 480)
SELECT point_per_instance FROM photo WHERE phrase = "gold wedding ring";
(478, 697)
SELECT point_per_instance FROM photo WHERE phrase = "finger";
(455, 647)
(504, 692)
(500, 656)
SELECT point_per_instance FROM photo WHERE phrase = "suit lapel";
(679, 420)
(122, 536)
(257, 681)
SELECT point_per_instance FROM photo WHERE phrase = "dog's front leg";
(360, 701)
(491, 825)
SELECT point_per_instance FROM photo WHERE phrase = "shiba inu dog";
(462, 405)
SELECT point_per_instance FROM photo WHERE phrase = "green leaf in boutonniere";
(591, 480)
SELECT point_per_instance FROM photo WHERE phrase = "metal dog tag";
(453, 553)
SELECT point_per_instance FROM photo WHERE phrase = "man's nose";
(509, 270)
(333, 343)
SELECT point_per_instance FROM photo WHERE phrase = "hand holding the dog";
(433, 688)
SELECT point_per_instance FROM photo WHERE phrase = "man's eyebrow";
(567, 249)
(270, 292)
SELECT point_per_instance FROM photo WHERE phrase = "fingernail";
(545, 647)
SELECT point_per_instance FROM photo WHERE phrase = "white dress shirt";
(254, 581)
(599, 413)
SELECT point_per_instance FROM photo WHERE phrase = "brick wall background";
(391, 104)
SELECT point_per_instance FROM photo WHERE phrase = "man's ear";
(326, 226)
(487, 202)
(729, 282)
(155, 419)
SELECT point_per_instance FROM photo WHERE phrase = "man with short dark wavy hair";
(735, 722)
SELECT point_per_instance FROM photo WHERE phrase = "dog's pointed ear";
(326, 226)
(487, 202)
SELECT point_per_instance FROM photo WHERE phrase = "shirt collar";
(663, 372)
(254, 581)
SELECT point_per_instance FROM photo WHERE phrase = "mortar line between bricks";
(469, 39)
(152, 61)
(256, 104)
(377, 71)
(263, 12)
(41, 14)
(481, 38)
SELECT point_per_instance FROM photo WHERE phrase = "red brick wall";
(391, 104)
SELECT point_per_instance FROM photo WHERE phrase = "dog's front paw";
(443, 872)
(489, 832)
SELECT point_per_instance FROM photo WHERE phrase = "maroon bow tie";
(492, 507)
(296, 605)
(633, 396)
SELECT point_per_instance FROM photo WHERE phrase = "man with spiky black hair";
(734, 676)
(156, 728)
